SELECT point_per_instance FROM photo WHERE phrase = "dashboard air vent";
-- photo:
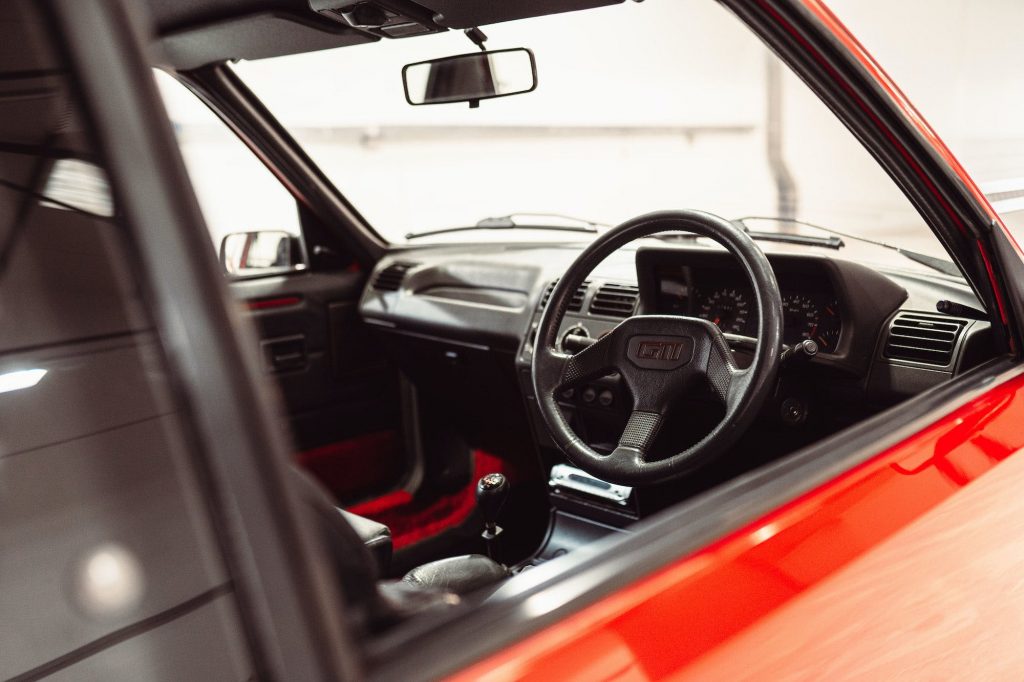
(615, 300)
(929, 339)
(390, 278)
(575, 304)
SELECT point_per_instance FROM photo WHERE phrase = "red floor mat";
(411, 521)
(356, 466)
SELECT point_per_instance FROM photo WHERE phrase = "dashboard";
(461, 320)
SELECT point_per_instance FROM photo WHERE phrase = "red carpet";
(411, 520)
(353, 467)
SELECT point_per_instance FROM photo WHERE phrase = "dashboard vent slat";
(615, 300)
(928, 339)
(391, 277)
(575, 304)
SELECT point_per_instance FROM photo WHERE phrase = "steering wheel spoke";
(594, 361)
(726, 380)
(638, 436)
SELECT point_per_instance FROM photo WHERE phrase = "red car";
(255, 428)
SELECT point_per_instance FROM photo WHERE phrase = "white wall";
(960, 63)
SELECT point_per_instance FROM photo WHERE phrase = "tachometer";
(727, 308)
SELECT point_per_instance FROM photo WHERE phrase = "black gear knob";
(491, 493)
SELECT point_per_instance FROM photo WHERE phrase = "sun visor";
(255, 36)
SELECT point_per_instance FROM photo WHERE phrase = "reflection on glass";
(25, 378)
(108, 581)
(79, 184)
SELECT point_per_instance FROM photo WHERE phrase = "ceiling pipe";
(785, 186)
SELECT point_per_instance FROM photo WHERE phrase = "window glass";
(109, 565)
(964, 79)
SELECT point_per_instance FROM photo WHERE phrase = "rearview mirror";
(470, 77)
(259, 253)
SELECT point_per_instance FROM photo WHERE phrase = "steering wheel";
(660, 358)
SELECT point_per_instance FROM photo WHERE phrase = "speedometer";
(806, 319)
(800, 316)
(728, 308)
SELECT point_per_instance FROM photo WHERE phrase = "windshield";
(639, 107)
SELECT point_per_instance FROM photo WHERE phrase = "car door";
(300, 290)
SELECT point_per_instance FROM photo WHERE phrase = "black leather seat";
(375, 536)
(360, 550)
(459, 574)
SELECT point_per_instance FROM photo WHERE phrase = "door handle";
(284, 353)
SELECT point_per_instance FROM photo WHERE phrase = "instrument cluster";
(811, 309)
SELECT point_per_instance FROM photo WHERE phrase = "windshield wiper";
(939, 264)
(508, 222)
(831, 242)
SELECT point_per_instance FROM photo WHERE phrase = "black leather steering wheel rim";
(660, 357)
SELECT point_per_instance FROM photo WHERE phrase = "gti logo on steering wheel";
(660, 352)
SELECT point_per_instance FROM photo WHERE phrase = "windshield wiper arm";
(508, 222)
(831, 242)
(939, 264)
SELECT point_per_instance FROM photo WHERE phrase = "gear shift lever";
(491, 493)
